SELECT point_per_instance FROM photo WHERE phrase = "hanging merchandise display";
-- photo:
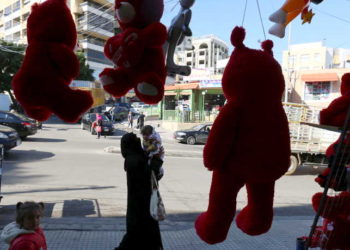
(41, 85)
(290, 10)
(179, 29)
(240, 135)
(137, 51)
(335, 210)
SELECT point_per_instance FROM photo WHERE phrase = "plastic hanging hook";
(177, 31)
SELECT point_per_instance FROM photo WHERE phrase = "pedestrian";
(98, 125)
(25, 232)
(152, 145)
(142, 231)
(140, 121)
(130, 119)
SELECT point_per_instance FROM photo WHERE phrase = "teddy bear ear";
(35, 6)
(237, 37)
(267, 46)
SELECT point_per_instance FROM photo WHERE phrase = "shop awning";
(182, 86)
(321, 77)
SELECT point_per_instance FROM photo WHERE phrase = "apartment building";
(202, 53)
(94, 20)
(313, 73)
(315, 56)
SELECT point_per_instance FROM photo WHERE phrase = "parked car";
(22, 124)
(89, 118)
(196, 134)
(9, 137)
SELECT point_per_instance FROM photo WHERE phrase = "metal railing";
(189, 116)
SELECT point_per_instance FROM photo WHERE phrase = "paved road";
(69, 170)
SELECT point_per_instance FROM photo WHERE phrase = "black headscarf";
(130, 145)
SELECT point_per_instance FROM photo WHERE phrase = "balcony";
(90, 27)
(105, 11)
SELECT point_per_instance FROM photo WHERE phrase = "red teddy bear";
(249, 127)
(335, 115)
(335, 231)
(137, 51)
(42, 83)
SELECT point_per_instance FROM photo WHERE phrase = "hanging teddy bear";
(250, 126)
(41, 85)
(335, 231)
(137, 51)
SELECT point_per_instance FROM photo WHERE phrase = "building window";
(202, 53)
(203, 46)
(8, 25)
(317, 56)
(26, 2)
(304, 58)
(189, 63)
(317, 91)
(7, 10)
(25, 17)
(16, 6)
(201, 62)
(189, 54)
(1, 13)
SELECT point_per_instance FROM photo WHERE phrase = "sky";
(331, 22)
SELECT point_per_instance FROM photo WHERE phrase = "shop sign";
(210, 84)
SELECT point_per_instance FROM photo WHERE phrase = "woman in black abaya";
(142, 231)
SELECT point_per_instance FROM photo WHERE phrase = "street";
(68, 169)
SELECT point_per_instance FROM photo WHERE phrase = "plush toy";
(137, 51)
(335, 231)
(250, 126)
(290, 10)
(335, 115)
(42, 83)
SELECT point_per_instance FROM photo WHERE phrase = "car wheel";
(191, 140)
(82, 126)
(294, 164)
(23, 138)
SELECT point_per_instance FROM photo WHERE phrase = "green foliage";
(11, 56)
(85, 72)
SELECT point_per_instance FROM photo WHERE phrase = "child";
(25, 232)
(152, 145)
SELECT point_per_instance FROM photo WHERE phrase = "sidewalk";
(105, 233)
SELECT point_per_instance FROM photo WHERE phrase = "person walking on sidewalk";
(142, 231)
(141, 121)
(130, 119)
(25, 232)
(152, 145)
(98, 125)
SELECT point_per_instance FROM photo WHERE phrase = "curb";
(114, 149)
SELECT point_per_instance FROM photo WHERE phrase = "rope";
(244, 12)
(261, 20)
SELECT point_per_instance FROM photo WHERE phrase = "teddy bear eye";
(125, 13)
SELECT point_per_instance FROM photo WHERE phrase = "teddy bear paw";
(254, 223)
(210, 232)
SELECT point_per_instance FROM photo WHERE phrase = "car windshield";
(198, 127)
(21, 116)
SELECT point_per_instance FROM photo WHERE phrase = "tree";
(11, 57)
(85, 72)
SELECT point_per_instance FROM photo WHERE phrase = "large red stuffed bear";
(335, 231)
(248, 144)
(137, 51)
(42, 84)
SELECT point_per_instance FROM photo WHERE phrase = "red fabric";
(49, 65)
(251, 127)
(335, 113)
(335, 231)
(34, 241)
(138, 53)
